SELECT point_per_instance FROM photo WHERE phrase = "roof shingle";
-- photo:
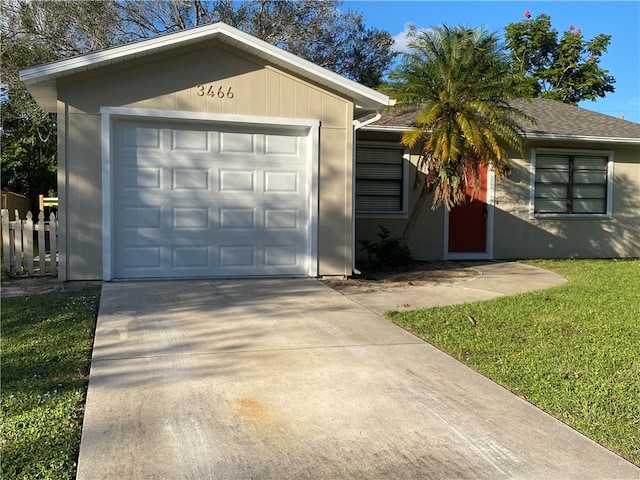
(552, 117)
(557, 118)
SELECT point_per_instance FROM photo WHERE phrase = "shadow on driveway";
(290, 379)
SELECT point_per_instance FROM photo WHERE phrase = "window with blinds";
(571, 184)
(379, 179)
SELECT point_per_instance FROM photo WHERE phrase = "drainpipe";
(356, 126)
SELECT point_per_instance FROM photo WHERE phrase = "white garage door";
(194, 200)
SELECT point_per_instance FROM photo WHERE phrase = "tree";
(566, 69)
(461, 82)
(28, 149)
(33, 33)
(312, 29)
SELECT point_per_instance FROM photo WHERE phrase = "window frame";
(574, 152)
(404, 201)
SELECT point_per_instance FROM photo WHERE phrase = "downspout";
(356, 126)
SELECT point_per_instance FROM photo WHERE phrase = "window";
(572, 183)
(380, 179)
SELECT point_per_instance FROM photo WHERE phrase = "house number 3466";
(211, 91)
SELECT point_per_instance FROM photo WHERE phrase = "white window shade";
(380, 179)
(571, 183)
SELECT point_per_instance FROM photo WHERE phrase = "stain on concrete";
(254, 412)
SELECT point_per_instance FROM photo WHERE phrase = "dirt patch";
(420, 274)
(28, 286)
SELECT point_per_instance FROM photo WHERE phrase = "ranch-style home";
(210, 153)
(573, 193)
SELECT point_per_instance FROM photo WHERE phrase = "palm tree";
(460, 81)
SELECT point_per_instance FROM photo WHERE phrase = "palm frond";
(460, 80)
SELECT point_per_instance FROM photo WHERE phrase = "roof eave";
(528, 136)
(41, 79)
(389, 129)
(582, 138)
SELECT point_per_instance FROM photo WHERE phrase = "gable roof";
(40, 80)
(557, 119)
(554, 120)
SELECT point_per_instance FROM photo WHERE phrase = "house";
(205, 152)
(210, 153)
(573, 193)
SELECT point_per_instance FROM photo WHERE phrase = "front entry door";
(468, 224)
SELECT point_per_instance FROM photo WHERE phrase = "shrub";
(389, 252)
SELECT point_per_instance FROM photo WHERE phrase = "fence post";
(6, 246)
(17, 238)
(42, 251)
(53, 231)
(27, 241)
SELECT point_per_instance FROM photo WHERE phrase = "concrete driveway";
(276, 379)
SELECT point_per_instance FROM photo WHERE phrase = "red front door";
(468, 222)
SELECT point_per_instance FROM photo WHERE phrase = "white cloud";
(401, 40)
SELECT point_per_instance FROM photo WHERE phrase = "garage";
(204, 152)
(207, 199)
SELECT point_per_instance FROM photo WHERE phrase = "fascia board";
(46, 75)
(528, 136)
(582, 138)
(69, 66)
(382, 128)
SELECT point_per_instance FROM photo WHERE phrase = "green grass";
(46, 351)
(573, 350)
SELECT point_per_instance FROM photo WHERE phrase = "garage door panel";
(190, 218)
(141, 217)
(237, 256)
(184, 215)
(281, 219)
(237, 218)
(193, 256)
(141, 177)
(191, 140)
(193, 200)
(281, 181)
(278, 256)
(231, 180)
(147, 257)
(236, 142)
(131, 138)
(190, 179)
(281, 145)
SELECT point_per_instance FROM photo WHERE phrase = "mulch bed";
(420, 274)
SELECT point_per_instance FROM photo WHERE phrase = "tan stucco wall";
(519, 236)
(516, 235)
(427, 239)
(168, 81)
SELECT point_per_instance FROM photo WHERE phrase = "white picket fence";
(18, 245)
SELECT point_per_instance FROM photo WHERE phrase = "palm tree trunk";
(415, 213)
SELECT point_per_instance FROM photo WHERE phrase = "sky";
(620, 19)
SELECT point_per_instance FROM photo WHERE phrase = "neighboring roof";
(554, 120)
(41, 79)
(395, 119)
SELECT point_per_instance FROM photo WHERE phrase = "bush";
(389, 252)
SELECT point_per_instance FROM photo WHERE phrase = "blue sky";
(620, 19)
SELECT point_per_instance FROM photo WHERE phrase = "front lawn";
(46, 351)
(573, 350)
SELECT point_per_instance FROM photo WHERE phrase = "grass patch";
(571, 350)
(46, 352)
